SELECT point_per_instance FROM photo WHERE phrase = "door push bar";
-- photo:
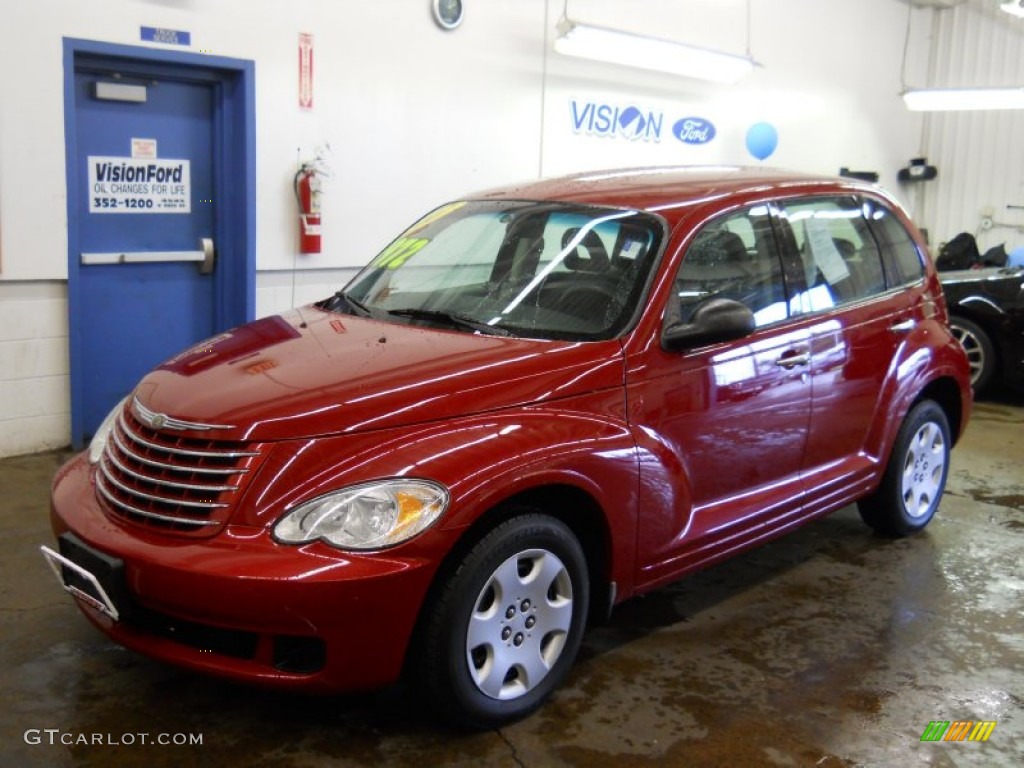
(205, 256)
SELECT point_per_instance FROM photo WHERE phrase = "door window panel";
(840, 257)
(734, 257)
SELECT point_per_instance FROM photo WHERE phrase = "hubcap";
(923, 469)
(975, 352)
(519, 624)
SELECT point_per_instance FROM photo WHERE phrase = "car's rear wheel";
(978, 346)
(915, 476)
(500, 635)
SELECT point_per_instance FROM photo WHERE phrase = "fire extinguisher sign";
(139, 185)
(305, 70)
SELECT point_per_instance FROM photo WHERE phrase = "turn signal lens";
(99, 440)
(367, 516)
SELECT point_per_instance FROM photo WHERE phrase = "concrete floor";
(831, 647)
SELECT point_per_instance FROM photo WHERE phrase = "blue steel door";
(137, 198)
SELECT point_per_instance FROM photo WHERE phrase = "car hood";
(310, 372)
(987, 275)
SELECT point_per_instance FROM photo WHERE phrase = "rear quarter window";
(902, 258)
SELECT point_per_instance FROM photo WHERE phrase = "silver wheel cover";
(972, 346)
(923, 469)
(519, 624)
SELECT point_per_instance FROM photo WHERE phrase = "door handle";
(209, 255)
(205, 256)
(904, 327)
(788, 361)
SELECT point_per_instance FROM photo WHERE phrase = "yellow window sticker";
(399, 252)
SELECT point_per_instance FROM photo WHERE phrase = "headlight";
(99, 440)
(367, 516)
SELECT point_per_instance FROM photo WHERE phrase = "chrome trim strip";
(143, 513)
(207, 505)
(182, 451)
(150, 419)
(169, 483)
(173, 467)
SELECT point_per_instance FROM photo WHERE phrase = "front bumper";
(241, 606)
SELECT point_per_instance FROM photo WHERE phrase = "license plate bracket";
(89, 575)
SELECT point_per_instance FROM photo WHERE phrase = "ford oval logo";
(694, 130)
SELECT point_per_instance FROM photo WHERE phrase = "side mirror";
(713, 321)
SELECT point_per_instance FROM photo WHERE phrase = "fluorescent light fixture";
(951, 99)
(1014, 7)
(616, 47)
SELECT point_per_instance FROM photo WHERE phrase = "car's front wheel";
(500, 635)
(915, 476)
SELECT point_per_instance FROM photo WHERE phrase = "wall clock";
(448, 13)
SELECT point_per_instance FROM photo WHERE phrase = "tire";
(501, 634)
(981, 353)
(915, 476)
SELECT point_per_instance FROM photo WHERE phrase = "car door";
(729, 420)
(857, 319)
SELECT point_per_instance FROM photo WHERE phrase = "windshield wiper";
(452, 318)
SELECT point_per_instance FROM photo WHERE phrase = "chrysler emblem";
(160, 421)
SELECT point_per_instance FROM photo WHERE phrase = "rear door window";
(840, 257)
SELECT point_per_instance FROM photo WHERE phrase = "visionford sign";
(139, 185)
(694, 130)
(635, 123)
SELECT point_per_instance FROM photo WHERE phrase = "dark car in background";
(986, 314)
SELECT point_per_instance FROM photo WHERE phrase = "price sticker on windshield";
(399, 252)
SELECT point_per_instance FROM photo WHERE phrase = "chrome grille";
(171, 482)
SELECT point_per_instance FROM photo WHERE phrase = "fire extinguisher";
(307, 193)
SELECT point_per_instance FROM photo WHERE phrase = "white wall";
(979, 155)
(35, 398)
(415, 116)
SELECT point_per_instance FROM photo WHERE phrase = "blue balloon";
(762, 139)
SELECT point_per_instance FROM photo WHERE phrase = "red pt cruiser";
(535, 403)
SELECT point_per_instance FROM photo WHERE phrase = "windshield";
(536, 269)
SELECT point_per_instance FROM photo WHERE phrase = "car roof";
(658, 187)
